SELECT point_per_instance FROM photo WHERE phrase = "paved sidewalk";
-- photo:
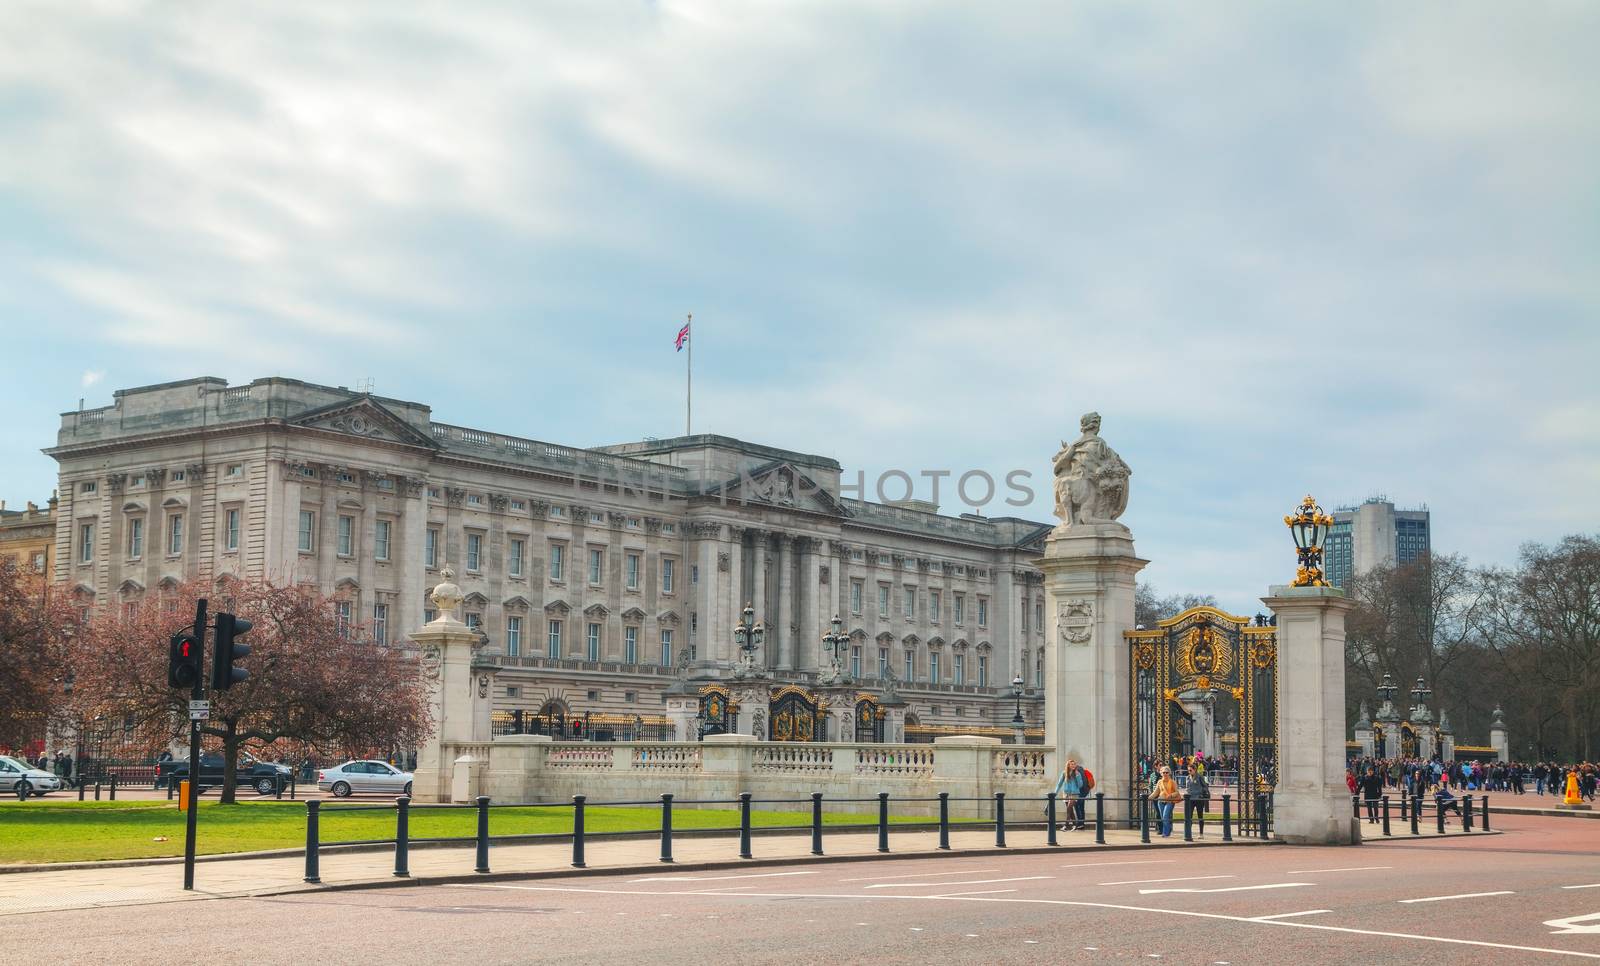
(45, 891)
(52, 890)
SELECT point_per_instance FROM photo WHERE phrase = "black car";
(265, 778)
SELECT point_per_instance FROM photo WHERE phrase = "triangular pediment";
(557, 607)
(781, 484)
(633, 614)
(668, 617)
(363, 416)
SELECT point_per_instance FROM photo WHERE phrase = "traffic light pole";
(198, 694)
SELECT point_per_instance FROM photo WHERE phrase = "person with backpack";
(1074, 786)
(1199, 798)
(1165, 794)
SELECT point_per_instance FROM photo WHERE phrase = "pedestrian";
(1372, 791)
(1073, 786)
(1165, 794)
(1199, 799)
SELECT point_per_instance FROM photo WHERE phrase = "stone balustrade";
(529, 768)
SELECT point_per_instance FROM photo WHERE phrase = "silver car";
(14, 770)
(376, 777)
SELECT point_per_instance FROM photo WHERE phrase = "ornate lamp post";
(1386, 688)
(1420, 694)
(1016, 693)
(748, 635)
(837, 643)
(1309, 527)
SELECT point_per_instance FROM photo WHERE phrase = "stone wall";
(533, 768)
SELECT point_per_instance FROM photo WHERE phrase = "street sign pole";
(198, 694)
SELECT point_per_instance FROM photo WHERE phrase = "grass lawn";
(83, 831)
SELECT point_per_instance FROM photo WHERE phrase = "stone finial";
(1499, 720)
(1363, 720)
(447, 596)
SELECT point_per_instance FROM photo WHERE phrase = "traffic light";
(228, 650)
(183, 665)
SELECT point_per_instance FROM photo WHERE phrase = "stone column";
(809, 599)
(448, 675)
(1089, 573)
(754, 695)
(1499, 740)
(784, 612)
(1312, 804)
(758, 578)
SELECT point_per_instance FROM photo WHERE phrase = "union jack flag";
(683, 336)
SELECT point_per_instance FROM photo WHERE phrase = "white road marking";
(917, 875)
(982, 892)
(1090, 865)
(1280, 923)
(1464, 895)
(1274, 885)
(914, 885)
(1575, 924)
(1185, 878)
(1592, 885)
(1291, 915)
(717, 878)
(1359, 868)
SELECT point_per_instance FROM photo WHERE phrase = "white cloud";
(92, 376)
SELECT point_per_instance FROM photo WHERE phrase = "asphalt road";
(1518, 897)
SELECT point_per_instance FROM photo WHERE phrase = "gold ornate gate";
(1205, 662)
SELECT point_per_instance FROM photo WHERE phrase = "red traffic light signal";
(228, 650)
(183, 663)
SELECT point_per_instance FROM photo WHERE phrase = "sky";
(1340, 249)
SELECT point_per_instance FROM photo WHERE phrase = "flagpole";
(688, 385)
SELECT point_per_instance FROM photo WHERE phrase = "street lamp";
(749, 635)
(1421, 693)
(837, 643)
(1309, 527)
(1386, 688)
(1016, 692)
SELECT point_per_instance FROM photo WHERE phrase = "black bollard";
(1144, 820)
(1188, 819)
(1403, 803)
(1466, 813)
(1227, 818)
(169, 792)
(666, 827)
(744, 826)
(313, 873)
(577, 831)
(944, 821)
(1486, 813)
(81, 788)
(1099, 818)
(483, 834)
(883, 821)
(816, 823)
(1438, 810)
(113, 788)
(24, 787)
(1386, 815)
(1261, 814)
(1050, 818)
(1416, 814)
(999, 820)
(1355, 806)
(402, 837)
(97, 789)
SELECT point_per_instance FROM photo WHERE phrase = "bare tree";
(1149, 607)
(312, 681)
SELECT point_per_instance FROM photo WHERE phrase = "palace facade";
(595, 572)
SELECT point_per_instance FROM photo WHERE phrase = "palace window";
(632, 571)
(380, 542)
(855, 662)
(883, 601)
(380, 623)
(85, 542)
(593, 642)
(136, 537)
(911, 603)
(231, 530)
(961, 608)
(514, 564)
(983, 612)
(175, 534)
(474, 552)
(308, 529)
(1038, 615)
(557, 553)
(88, 487)
(347, 536)
(553, 644)
(666, 647)
(883, 663)
(667, 567)
(911, 666)
(933, 606)
(933, 666)
(430, 548)
(597, 561)
(855, 596)
(960, 669)
(513, 636)
(630, 645)
(341, 617)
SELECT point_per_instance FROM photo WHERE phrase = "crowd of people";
(1416, 776)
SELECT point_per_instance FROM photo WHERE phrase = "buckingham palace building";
(601, 577)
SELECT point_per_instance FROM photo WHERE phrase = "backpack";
(1088, 781)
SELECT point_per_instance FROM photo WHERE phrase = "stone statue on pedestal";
(1091, 479)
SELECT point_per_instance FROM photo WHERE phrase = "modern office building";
(595, 572)
(1373, 534)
